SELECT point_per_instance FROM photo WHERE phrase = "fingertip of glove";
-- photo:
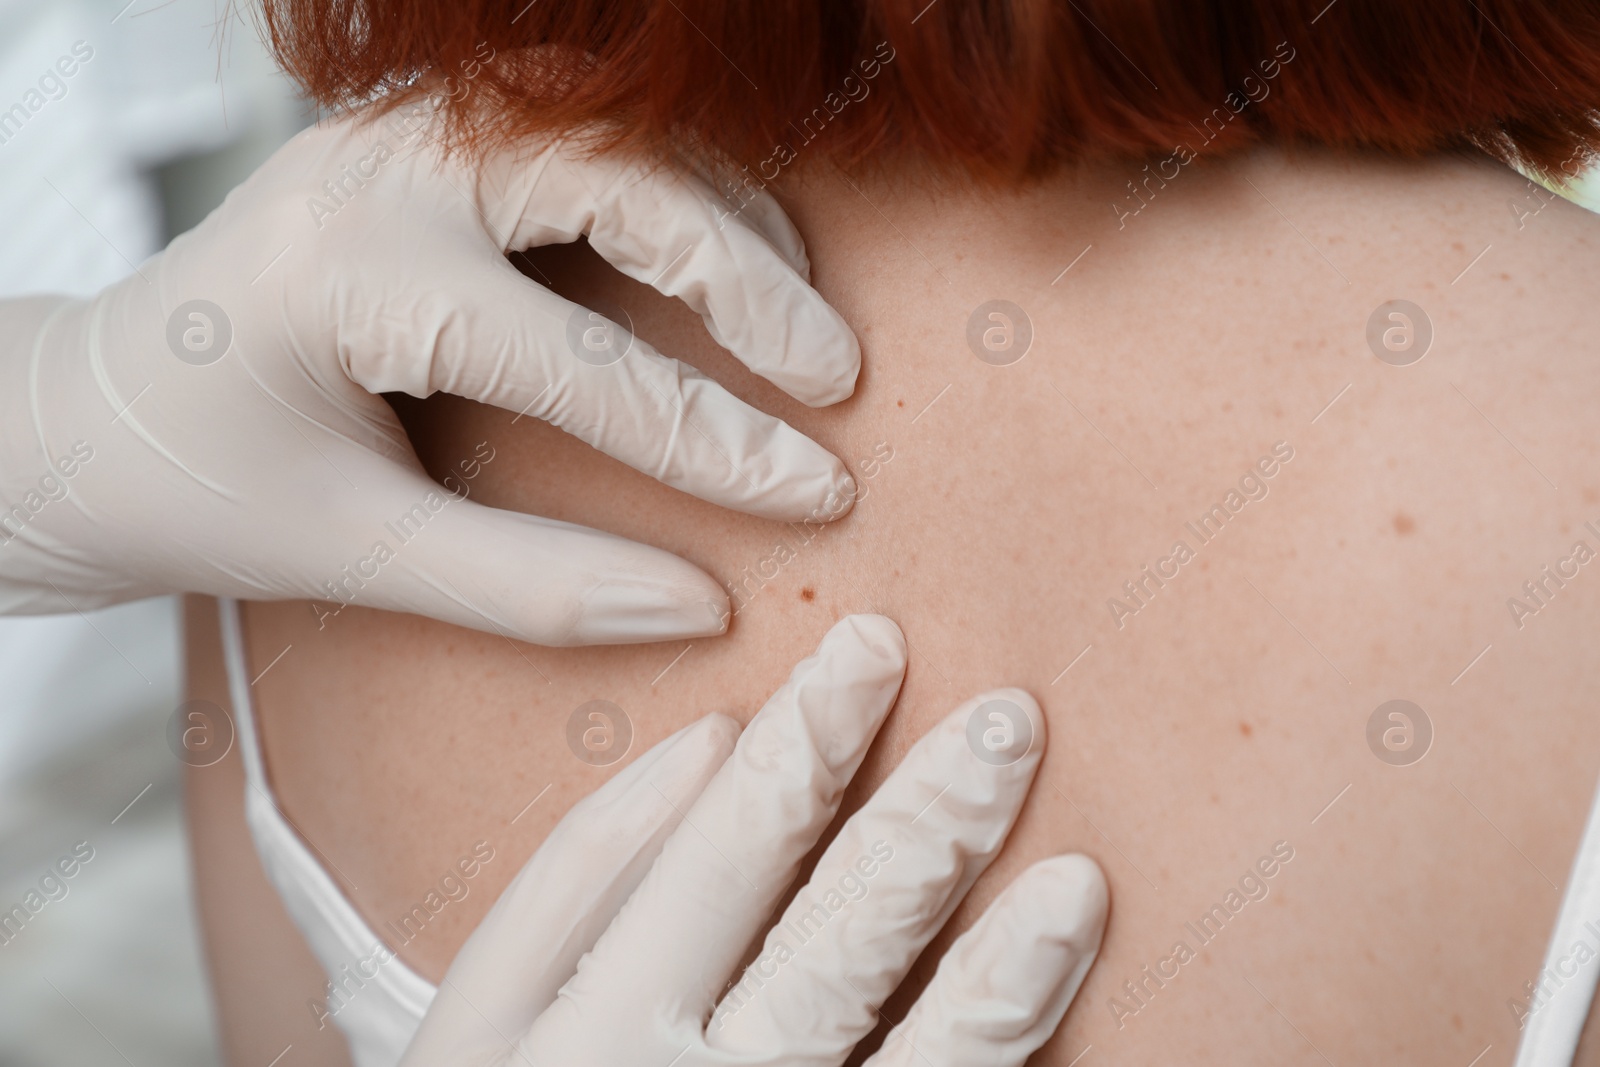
(692, 756)
(800, 481)
(876, 636)
(718, 732)
(842, 353)
(829, 393)
(669, 600)
(1021, 699)
(1073, 888)
(820, 360)
(841, 693)
(721, 613)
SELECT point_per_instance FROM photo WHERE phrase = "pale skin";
(1189, 738)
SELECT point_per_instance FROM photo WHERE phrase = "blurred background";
(176, 103)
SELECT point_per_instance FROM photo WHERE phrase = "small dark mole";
(899, 403)
(1244, 728)
(808, 593)
(1403, 523)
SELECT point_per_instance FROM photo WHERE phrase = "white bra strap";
(233, 657)
(1564, 987)
(384, 1008)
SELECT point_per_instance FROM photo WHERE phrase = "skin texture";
(1227, 718)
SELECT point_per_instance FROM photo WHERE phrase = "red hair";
(994, 88)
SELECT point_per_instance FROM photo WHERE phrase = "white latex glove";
(617, 942)
(149, 444)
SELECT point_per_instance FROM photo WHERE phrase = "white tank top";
(375, 1000)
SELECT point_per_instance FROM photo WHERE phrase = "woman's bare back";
(1217, 517)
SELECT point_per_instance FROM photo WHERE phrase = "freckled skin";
(1016, 506)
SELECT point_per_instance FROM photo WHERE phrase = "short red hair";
(994, 88)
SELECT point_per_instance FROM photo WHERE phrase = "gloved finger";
(724, 869)
(886, 884)
(525, 949)
(1004, 986)
(504, 340)
(672, 230)
(760, 210)
(521, 576)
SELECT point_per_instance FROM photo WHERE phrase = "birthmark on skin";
(899, 403)
(1403, 523)
(808, 593)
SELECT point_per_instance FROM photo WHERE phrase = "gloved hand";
(617, 942)
(211, 423)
